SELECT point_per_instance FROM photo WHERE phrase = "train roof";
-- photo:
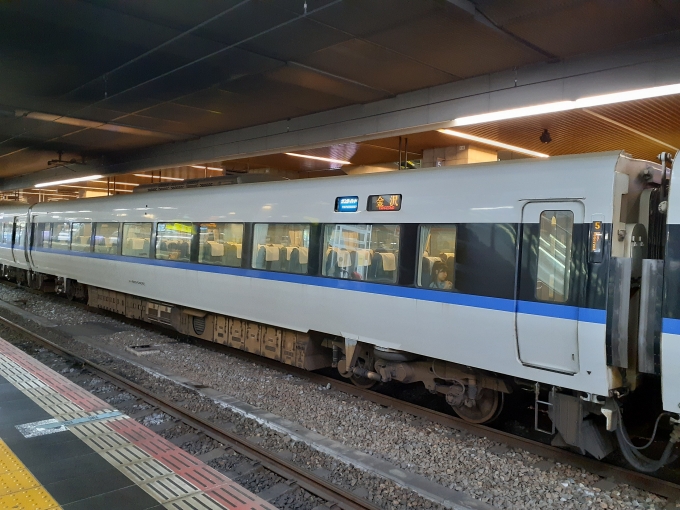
(483, 192)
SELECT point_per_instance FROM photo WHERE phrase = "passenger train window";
(361, 252)
(173, 241)
(106, 238)
(554, 256)
(41, 237)
(437, 256)
(137, 239)
(81, 235)
(7, 228)
(281, 247)
(61, 235)
(220, 243)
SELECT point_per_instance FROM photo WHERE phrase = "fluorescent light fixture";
(83, 187)
(329, 160)
(121, 183)
(67, 181)
(561, 106)
(494, 143)
(203, 167)
(152, 176)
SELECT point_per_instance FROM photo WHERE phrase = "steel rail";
(337, 496)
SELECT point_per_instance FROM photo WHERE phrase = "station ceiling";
(98, 79)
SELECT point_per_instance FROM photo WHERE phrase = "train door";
(19, 240)
(546, 317)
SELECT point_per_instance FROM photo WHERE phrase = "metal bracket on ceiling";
(62, 162)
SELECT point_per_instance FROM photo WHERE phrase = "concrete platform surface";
(62, 447)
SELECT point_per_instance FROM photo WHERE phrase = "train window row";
(468, 258)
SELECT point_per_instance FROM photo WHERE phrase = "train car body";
(478, 275)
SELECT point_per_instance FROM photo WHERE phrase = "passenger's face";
(442, 276)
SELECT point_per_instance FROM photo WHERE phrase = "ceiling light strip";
(494, 143)
(203, 167)
(318, 158)
(154, 176)
(118, 182)
(561, 106)
(68, 181)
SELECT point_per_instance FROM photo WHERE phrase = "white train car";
(469, 279)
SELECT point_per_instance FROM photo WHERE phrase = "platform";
(62, 447)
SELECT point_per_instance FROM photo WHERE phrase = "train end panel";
(670, 330)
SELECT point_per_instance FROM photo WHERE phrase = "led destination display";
(384, 203)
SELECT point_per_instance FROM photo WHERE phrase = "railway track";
(336, 497)
(619, 474)
(642, 481)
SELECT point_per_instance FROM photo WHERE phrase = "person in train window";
(439, 277)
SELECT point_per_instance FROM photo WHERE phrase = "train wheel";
(70, 290)
(488, 405)
(362, 382)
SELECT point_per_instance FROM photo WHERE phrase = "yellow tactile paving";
(19, 490)
(8, 461)
(16, 481)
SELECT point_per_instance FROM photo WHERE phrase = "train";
(558, 275)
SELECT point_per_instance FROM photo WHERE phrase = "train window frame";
(158, 239)
(254, 250)
(46, 228)
(127, 225)
(95, 230)
(89, 244)
(421, 250)
(54, 225)
(568, 258)
(199, 253)
(323, 248)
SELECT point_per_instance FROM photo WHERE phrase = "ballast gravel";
(483, 469)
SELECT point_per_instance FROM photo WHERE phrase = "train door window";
(437, 257)
(554, 256)
(220, 243)
(173, 241)
(137, 239)
(106, 238)
(61, 235)
(281, 247)
(81, 235)
(7, 228)
(20, 234)
(41, 237)
(361, 252)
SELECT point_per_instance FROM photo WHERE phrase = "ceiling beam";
(653, 63)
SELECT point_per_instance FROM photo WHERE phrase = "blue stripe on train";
(671, 326)
(453, 298)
